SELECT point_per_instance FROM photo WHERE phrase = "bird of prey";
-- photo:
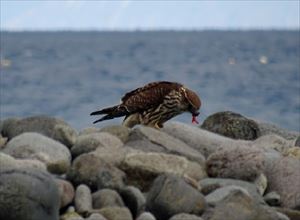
(153, 104)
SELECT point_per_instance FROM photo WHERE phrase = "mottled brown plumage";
(153, 104)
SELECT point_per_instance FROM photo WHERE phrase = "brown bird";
(153, 104)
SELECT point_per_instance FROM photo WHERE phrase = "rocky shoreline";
(229, 168)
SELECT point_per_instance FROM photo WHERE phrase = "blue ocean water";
(70, 74)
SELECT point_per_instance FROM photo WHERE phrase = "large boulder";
(268, 128)
(8, 162)
(51, 127)
(142, 167)
(199, 139)
(90, 142)
(106, 198)
(150, 140)
(232, 125)
(31, 145)
(19, 200)
(120, 131)
(284, 178)
(240, 163)
(95, 172)
(133, 199)
(171, 195)
(239, 205)
(208, 185)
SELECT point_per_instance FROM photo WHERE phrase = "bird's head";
(194, 103)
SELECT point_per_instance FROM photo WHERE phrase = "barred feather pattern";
(173, 105)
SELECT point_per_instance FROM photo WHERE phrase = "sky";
(148, 15)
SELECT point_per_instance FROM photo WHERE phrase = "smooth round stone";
(106, 198)
(28, 194)
(83, 199)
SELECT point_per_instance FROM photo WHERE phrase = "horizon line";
(149, 29)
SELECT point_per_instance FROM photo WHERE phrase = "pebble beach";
(228, 168)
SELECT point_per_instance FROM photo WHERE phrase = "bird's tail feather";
(110, 113)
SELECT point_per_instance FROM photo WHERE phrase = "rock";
(120, 131)
(36, 146)
(268, 128)
(240, 163)
(293, 152)
(292, 214)
(3, 141)
(165, 143)
(66, 192)
(83, 199)
(106, 198)
(184, 216)
(90, 142)
(71, 215)
(141, 167)
(171, 195)
(48, 126)
(146, 216)
(208, 185)
(220, 194)
(97, 174)
(19, 200)
(272, 141)
(199, 139)
(95, 216)
(233, 125)
(8, 162)
(284, 177)
(272, 198)
(133, 199)
(261, 183)
(238, 205)
(116, 213)
(297, 142)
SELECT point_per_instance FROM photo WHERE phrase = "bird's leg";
(131, 120)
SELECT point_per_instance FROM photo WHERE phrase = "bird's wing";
(148, 96)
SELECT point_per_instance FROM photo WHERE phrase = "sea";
(69, 74)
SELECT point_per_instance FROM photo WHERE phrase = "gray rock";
(8, 162)
(272, 141)
(3, 141)
(199, 139)
(120, 131)
(90, 142)
(184, 216)
(238, 205)
(146, 216)
(19, 200)
(261, 183)
(48, 126)
(208, 185)
(36, 146)
(220, 194)
(106, 198)
(70, 214)
(116, 213)
(268, 128)
(83, 199)
(95, 172)
(272, 198)
(171, 195)
(293, 152)
(66, 192)
(297, 142)
(240, 163)
(166, 143)
(233, 125)
(133, 199)
(292, 214)
(95, 216)
(284, 177)
(141, 167)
